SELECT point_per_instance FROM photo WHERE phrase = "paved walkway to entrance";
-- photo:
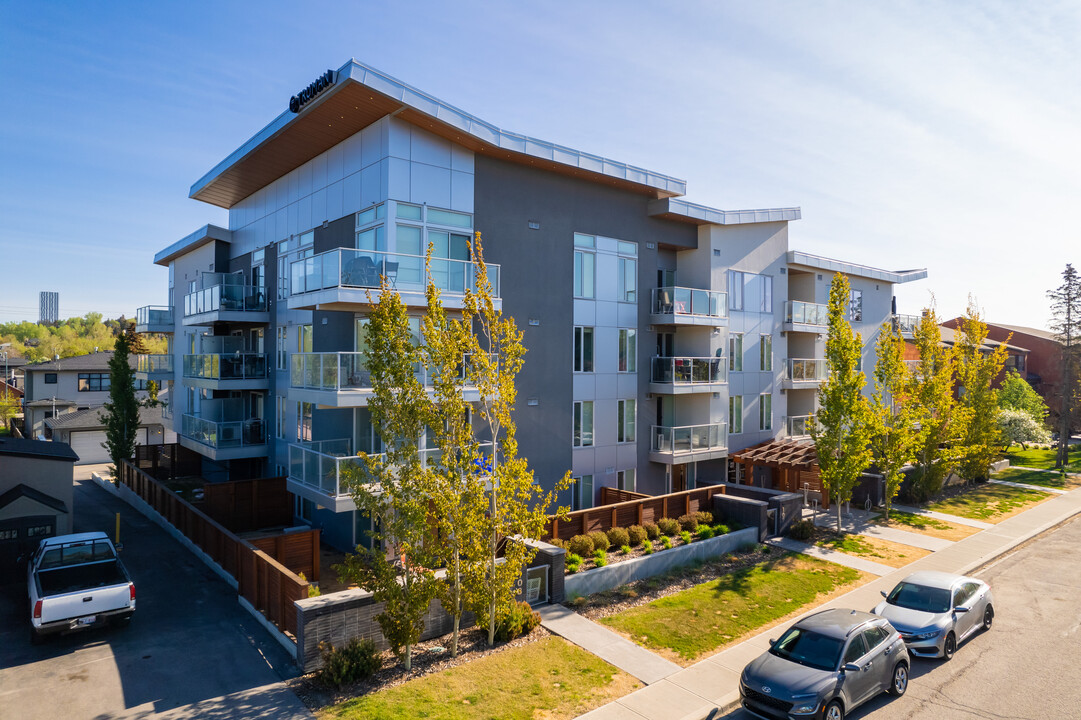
(955, 519)
(630, 658)
(832, 556)
(1026, 486)
(860, 523)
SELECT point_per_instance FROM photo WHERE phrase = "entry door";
(679, 478)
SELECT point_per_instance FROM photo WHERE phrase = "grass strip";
(1031, 477)
(1043, 458)
(988, 501)
(919, 522)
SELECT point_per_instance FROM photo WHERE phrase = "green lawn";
(549, 678)
(988, 502)
(1032, 477)
(846, 543)
(919, 522)
(709, 616)
(1043, 458)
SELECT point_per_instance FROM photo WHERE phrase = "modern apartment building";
(661, 334)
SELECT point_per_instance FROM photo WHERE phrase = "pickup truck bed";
(62, 580)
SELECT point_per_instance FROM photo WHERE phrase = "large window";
(296, 248)
(93, 382)
(855, 306)
(628, 350)
(304, 421)
(625, 480)
(625, 420)
(735, 290)
(735, 352)
(583, 496)
(583, 349)
(735, 414)
(583, 423)
(584, 260)
(627, 272)
(281, 349)
(304, 338)
(765, 352)
(766, 305)
(765, 411)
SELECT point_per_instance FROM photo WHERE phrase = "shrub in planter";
(652, 530)
(704, 517)
(648, 546)
(801, 530)
(686, 537)
(625, 549)
(668, 526)
(618, 537)
(705, 532)
(519, 620)
(600, 558)
(345, 665)
(581, 545)
(573, 567)
(558, 543)
(721, 529)
(600, 541)
(636, 535)
(666, 542)
(688, 523)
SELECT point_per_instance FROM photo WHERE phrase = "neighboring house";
(661, 334)
(1016, 356)
(12, 370)
(84, 431)
(36, 492)
(66, 385)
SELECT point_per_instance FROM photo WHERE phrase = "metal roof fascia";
(897, 277)
(205, 234)
(713, 216)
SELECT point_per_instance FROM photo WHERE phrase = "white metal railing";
(154, 363)
(689, 438)
(689, 370)
(226, 366)
(154, 315)
(800, 425)
(345, 267)
(806, 313)
(807, 369)
(674, 300)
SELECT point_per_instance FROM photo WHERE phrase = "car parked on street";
(824, 666)
(936, 611)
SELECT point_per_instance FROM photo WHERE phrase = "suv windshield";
(808, 648)
(918, 597)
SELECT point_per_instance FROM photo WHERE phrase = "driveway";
(190, 651)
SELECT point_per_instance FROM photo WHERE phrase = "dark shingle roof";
(93, 418)
(23, 447)
(22, 490)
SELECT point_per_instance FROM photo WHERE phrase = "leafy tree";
(1066, 323)
(896, 432)
(10, 406)
(977, 370)
(1017, 427)
(1016, 394)
(844, 423)
(122, 411)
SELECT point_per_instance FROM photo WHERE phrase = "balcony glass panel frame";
(154, 315)
(227, 366)
(799, 312)
(686, 439)
(689, 370)
(807, 369)
(676, 300)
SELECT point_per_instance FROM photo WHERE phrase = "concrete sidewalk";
(860, 522)
(694, 693)
(833, 556)
(1026, 486)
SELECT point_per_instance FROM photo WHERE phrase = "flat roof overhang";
(817, 262)
(695, 214)
(361, 96)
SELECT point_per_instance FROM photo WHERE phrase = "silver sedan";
(935, 611)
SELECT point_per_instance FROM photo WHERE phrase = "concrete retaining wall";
(598, 580)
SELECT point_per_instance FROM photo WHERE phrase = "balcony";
(341, 279)
(688, 306)
(223, 300)
(154, 319)
(685, 375)
(802, 316)
(340, 379)
(153, 367)
(805, 373)
(226, 371)
(689, 443)
(223, 438)
(906, 324)
(800, 425)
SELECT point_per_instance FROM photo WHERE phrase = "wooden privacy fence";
(244, 505)
(611, 496)
(632, 512)
(167, 461)
(264, 582)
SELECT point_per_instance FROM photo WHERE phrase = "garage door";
(87, 445)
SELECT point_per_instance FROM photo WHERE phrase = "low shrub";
(519, 620)
(625, 549)
(648, 547)
(721, 529)
(704, 517)
(558, 543)
(581, 545)
(618, 537)
(573, 563)
(600, 541)
(668, 526)
(801, 530)
(685, 536)
(636, 535)
(342, 666)
(600, 558)
(688, 523)
(666, 542)
(705, 532)
(572, 568)
(653, 531)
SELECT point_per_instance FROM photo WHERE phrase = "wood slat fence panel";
(649, 508)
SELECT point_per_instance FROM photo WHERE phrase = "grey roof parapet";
(703, 215)
(795, 257)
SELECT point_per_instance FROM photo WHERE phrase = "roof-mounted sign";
(309, 93)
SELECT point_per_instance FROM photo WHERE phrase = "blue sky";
(937, 135)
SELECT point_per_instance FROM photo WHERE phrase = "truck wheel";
(35, 637)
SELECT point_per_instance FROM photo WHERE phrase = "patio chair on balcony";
(361, 272)
(664, 302)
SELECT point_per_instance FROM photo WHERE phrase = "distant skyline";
(937, 135)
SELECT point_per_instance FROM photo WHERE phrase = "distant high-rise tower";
(48, 307)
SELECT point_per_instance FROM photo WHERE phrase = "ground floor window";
(583, 496)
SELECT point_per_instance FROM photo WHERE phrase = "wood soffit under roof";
(779, 453)
(344, 113)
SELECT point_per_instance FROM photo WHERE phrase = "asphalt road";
(190, 651)
(1028, 667)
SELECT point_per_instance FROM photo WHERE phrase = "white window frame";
(280, 404)
(303, 416)
(766, 304)
(735, 289)
(765, 411)
(578, 363)
(585, 254)
(627, 360)
(581, 436)
(627, 279)
(281, 347)
(765, 352)
(735, 414)
(626, 423)
(735, 352)
(622, 478)
(582, 499)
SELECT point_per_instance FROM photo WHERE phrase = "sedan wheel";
(988, 617)
(900, 680)
(834, 711)
(949, 646)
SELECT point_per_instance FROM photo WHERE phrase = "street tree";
(1066, 324)
(896, 433)
(1015, 393)
(977, 370)
(121, 414)
(1017, 427)
(844, 423)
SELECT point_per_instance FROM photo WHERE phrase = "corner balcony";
(154, 367)
(802, 316)
(341, 380)
(688, 443)
(226, 438)
(226, 371)
(342, 279)
(805, 373)
(685, 375)
(155, 319)
(906, 324)
(688, 306)
(226, 303)
(799, 426)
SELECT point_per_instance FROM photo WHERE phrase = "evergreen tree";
(122, 411)
(1066, 323)
(896, 434)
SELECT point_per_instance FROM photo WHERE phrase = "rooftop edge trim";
(795, 257)
(703, 215)
(202, 236)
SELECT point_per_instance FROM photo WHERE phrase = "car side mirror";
(960, 609)
(772, 642)
(851, 667)
(883, 593)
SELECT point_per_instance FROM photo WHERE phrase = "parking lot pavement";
(190, 651)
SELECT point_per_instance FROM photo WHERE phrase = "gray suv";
(824, 666)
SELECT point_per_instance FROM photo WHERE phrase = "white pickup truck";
(76, 581)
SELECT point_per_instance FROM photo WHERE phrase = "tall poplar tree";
(896, 433)
(1066, 324)
(121, 414)
(844, 423)
(977, 371)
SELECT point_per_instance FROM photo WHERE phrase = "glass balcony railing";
(674, 300)
(689, 438)
(906, 324)
(363, 268)
(224, 296)
(805, 313)
(223, 433)
(800, 425)
(154, 315)
(689, 370)
(226, 366)
(341, 371)
(807, 370)
(154, 364)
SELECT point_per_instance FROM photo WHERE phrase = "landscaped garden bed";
(988, 502)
